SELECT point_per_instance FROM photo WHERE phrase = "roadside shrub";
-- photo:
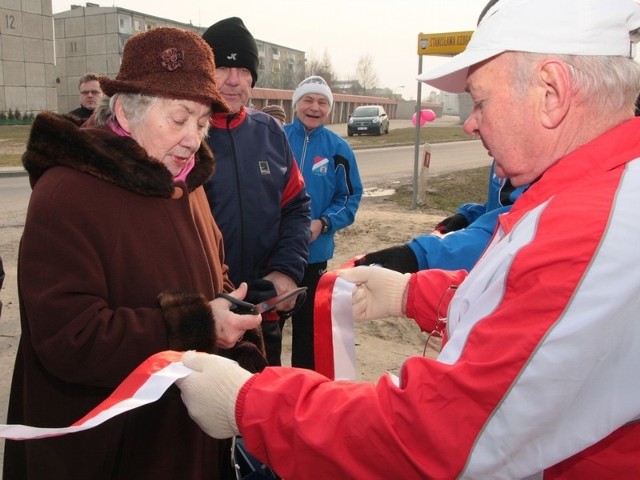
(16, 117)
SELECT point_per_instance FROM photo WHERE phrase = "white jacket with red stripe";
(539, 373)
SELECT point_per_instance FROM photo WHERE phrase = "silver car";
(368, 119)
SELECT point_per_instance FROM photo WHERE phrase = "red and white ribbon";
(144, 385)
(334, 340)
(334, 335)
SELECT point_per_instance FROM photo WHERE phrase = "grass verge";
(13, 139)
(407, 136)
(446, 192)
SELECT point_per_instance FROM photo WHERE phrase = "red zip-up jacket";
(538, 378)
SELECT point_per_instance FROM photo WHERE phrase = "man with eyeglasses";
(90, 95)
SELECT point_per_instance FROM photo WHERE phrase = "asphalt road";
(395, 163)
(376, 165)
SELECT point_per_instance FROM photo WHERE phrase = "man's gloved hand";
(260, 290)
(400, 258)
(210, 392)
(451, 224)
(379, 292)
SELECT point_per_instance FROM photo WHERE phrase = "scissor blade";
(273, 302)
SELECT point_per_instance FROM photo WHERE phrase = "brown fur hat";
(170, 63)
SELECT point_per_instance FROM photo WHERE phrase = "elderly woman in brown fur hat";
(120, 259)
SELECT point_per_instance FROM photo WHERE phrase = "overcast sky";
(346, 29)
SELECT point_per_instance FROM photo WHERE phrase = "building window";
(125, 24)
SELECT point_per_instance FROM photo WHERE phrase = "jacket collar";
(219, 120)
(58, 140)
(299, 126)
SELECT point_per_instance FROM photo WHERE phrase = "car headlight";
(351, 121)
(375, 120)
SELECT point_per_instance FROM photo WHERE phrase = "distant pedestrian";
(277, 112)
(90, 95)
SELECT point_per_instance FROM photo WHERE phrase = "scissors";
(245, 308)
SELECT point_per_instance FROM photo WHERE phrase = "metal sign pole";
(449, 43)
(416, 153)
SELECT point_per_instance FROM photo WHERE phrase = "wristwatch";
(326, 226)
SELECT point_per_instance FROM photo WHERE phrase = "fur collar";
(58, 140)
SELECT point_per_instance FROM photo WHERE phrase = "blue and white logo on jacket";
(320, 166)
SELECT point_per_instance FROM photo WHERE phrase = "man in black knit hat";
(257, 194)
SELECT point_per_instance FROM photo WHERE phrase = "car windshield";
(366, 112)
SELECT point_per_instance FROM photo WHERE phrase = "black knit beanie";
(233, 45)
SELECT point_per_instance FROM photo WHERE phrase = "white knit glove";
(379, 292)
(210, 392)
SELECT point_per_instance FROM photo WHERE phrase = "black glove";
(259, 290)
(401, 259)
(452, 223)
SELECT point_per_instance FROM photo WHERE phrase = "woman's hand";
(229, 326)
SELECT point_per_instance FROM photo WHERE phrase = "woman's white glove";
(379, 292)
(210, 392)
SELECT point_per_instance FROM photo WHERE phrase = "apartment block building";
(27, 58)
(280, 67)
(91, 38)
(42, 57)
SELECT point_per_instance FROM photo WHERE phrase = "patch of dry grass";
(13, 139)
(445, 192)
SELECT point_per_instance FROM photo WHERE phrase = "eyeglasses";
(95, 93)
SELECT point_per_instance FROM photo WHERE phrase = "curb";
(12, 172)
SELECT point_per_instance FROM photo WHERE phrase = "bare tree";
(365, 73)
(322, 68)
